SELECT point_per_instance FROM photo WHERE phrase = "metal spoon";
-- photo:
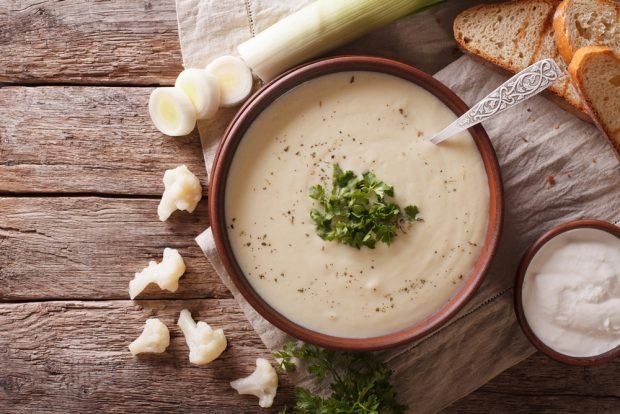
(522, 86)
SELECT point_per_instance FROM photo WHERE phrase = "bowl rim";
(269, 93)
(527, 258)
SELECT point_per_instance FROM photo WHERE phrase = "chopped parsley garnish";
(358, 211)
(359, 383)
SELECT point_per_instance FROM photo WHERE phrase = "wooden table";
(80, 178)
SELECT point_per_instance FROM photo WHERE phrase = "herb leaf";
(357, 212)
(411, 212)
(359, 382)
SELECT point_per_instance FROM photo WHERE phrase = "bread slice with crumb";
(513, 35)
(595, 70)
(580, 23)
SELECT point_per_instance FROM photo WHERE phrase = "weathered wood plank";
(85, 42)
(541, 385)
(72, 356)
(90, 248)
(504, 402)
(61, 357)
(83, 139)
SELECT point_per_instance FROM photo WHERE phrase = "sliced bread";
(513, 35)
(580, 23)
(563, 88)
(595, 70)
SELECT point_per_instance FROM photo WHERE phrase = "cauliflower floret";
(263, 383)
(182, 192)
(154, 338)
(165, 274)
(205, 344)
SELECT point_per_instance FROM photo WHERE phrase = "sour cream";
(362, 121)
(571, 293)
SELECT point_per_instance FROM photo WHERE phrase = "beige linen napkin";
(533, 142)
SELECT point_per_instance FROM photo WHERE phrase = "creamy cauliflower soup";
(363, 121)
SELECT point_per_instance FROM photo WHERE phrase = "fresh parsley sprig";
(357, 212)
(360, 383)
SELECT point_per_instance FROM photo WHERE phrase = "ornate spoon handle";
(522, 86)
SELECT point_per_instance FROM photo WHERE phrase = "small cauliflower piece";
(205, 344)
(155, 338)
(182, 191)
(263, 383)
(165, 274)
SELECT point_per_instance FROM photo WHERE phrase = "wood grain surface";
(543, 386)
(73, 357)
(80, 177)
(86, 42)
(87, 139)
(90, 248)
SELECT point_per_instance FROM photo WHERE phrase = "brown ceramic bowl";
(264, 98)
(525, 262)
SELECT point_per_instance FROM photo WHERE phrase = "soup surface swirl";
(363, 121)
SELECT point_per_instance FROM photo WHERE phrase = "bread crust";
(581, 58)
(560, 26)
(560, 33)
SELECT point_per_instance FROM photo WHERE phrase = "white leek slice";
(234, 77)
(172, 111)
(317, 28)
(202, 89)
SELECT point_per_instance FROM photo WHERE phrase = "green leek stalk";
(317, 28)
